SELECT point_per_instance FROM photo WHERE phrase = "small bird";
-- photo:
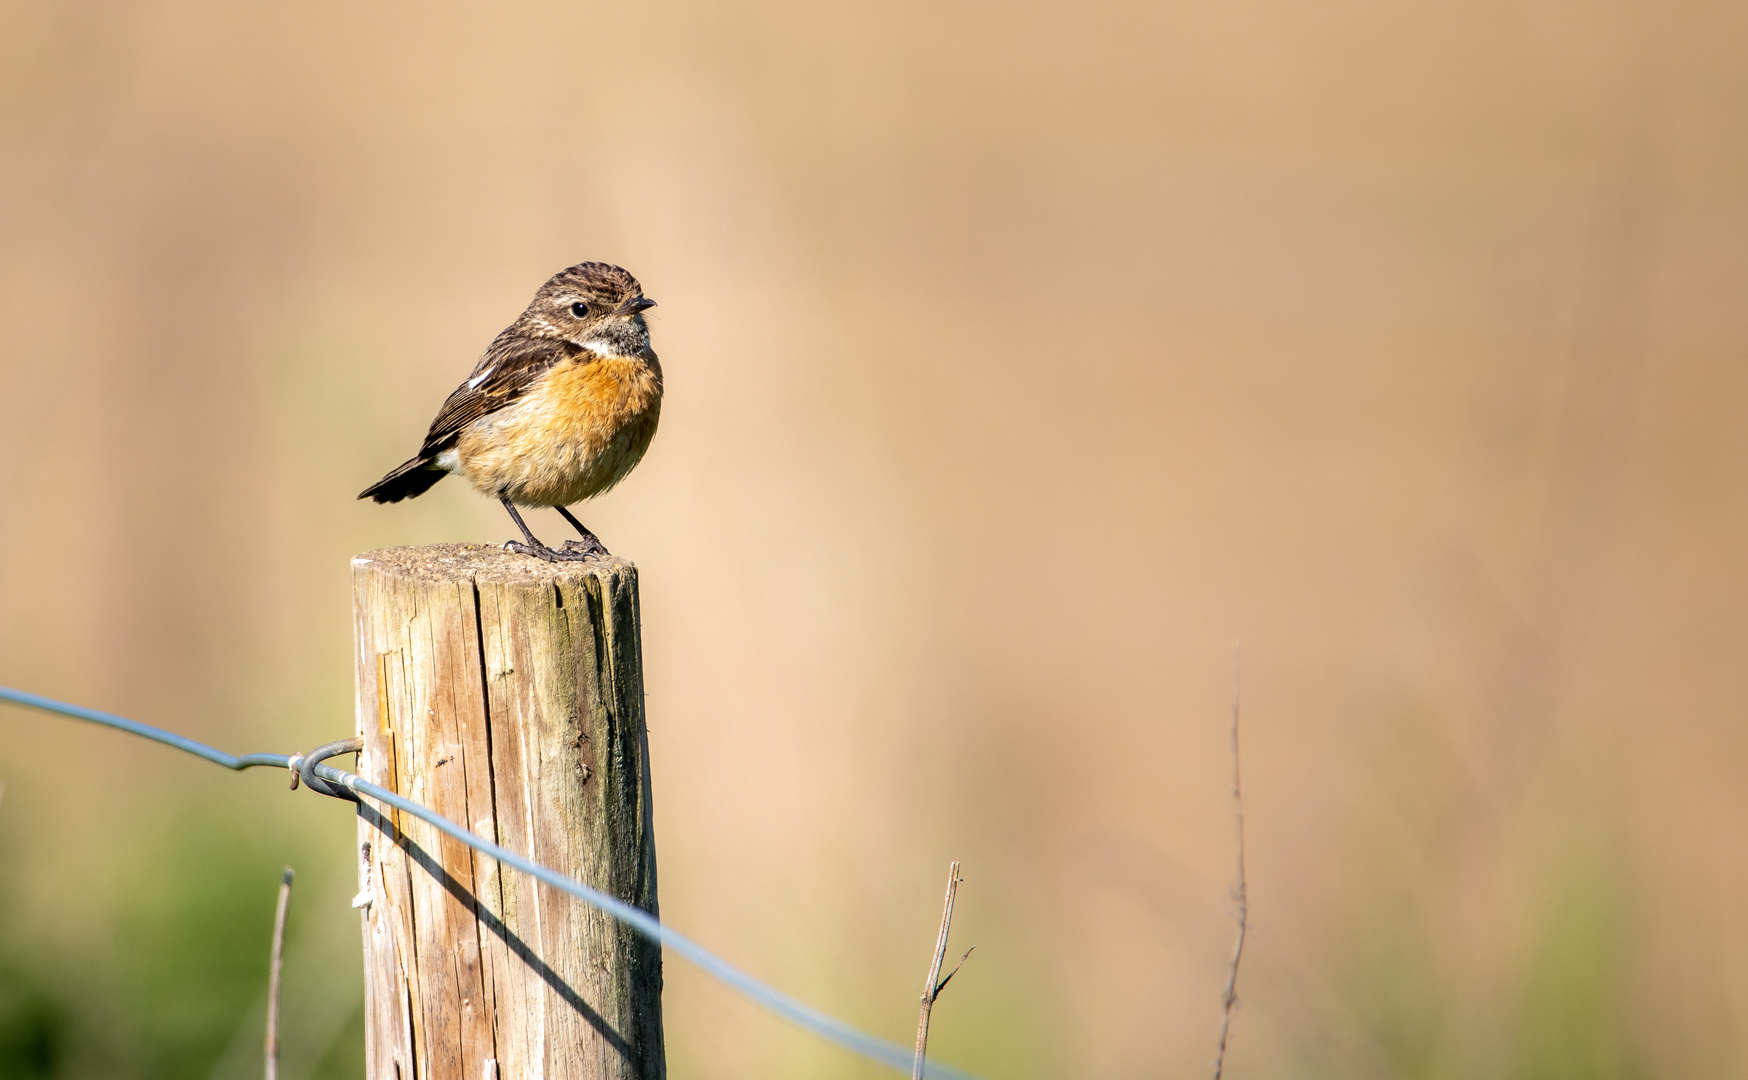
(560, 408)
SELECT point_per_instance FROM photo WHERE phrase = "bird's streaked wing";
(509, 367)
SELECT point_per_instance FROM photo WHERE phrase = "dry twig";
(1238, 891)
(932, 988)
(273, 976)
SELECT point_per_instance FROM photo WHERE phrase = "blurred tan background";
(1020, 358)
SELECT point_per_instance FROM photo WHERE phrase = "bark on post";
(505, 693)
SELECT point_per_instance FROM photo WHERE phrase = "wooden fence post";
(505, 693)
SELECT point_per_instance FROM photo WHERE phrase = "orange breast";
(575, 434)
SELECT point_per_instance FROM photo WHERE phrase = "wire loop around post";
(306, 766)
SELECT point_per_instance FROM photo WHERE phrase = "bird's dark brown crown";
(594, 278)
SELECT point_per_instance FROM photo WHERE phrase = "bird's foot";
(541, 551)
(591, 548)
(590, 544)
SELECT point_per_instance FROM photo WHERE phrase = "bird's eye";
(580, 310)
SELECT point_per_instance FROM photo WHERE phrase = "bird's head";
(595, 305)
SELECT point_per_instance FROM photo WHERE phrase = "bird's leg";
(534, 547)
(590, 543)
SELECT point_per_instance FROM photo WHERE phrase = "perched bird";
(562, 405)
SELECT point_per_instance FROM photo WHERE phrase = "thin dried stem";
(932, 988)
(1238, 891)
(273, 976)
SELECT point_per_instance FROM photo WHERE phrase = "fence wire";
(804, 1016)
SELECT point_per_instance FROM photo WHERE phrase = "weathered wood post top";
(505, 693)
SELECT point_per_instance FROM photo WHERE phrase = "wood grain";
(507, 694)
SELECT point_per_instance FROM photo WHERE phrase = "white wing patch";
(473, 383)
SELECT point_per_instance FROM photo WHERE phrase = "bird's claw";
(588, 549)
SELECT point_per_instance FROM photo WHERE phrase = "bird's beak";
(635, 305)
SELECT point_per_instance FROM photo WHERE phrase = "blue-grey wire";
(635, 917)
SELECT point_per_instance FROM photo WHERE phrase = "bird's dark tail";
(414, 477)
